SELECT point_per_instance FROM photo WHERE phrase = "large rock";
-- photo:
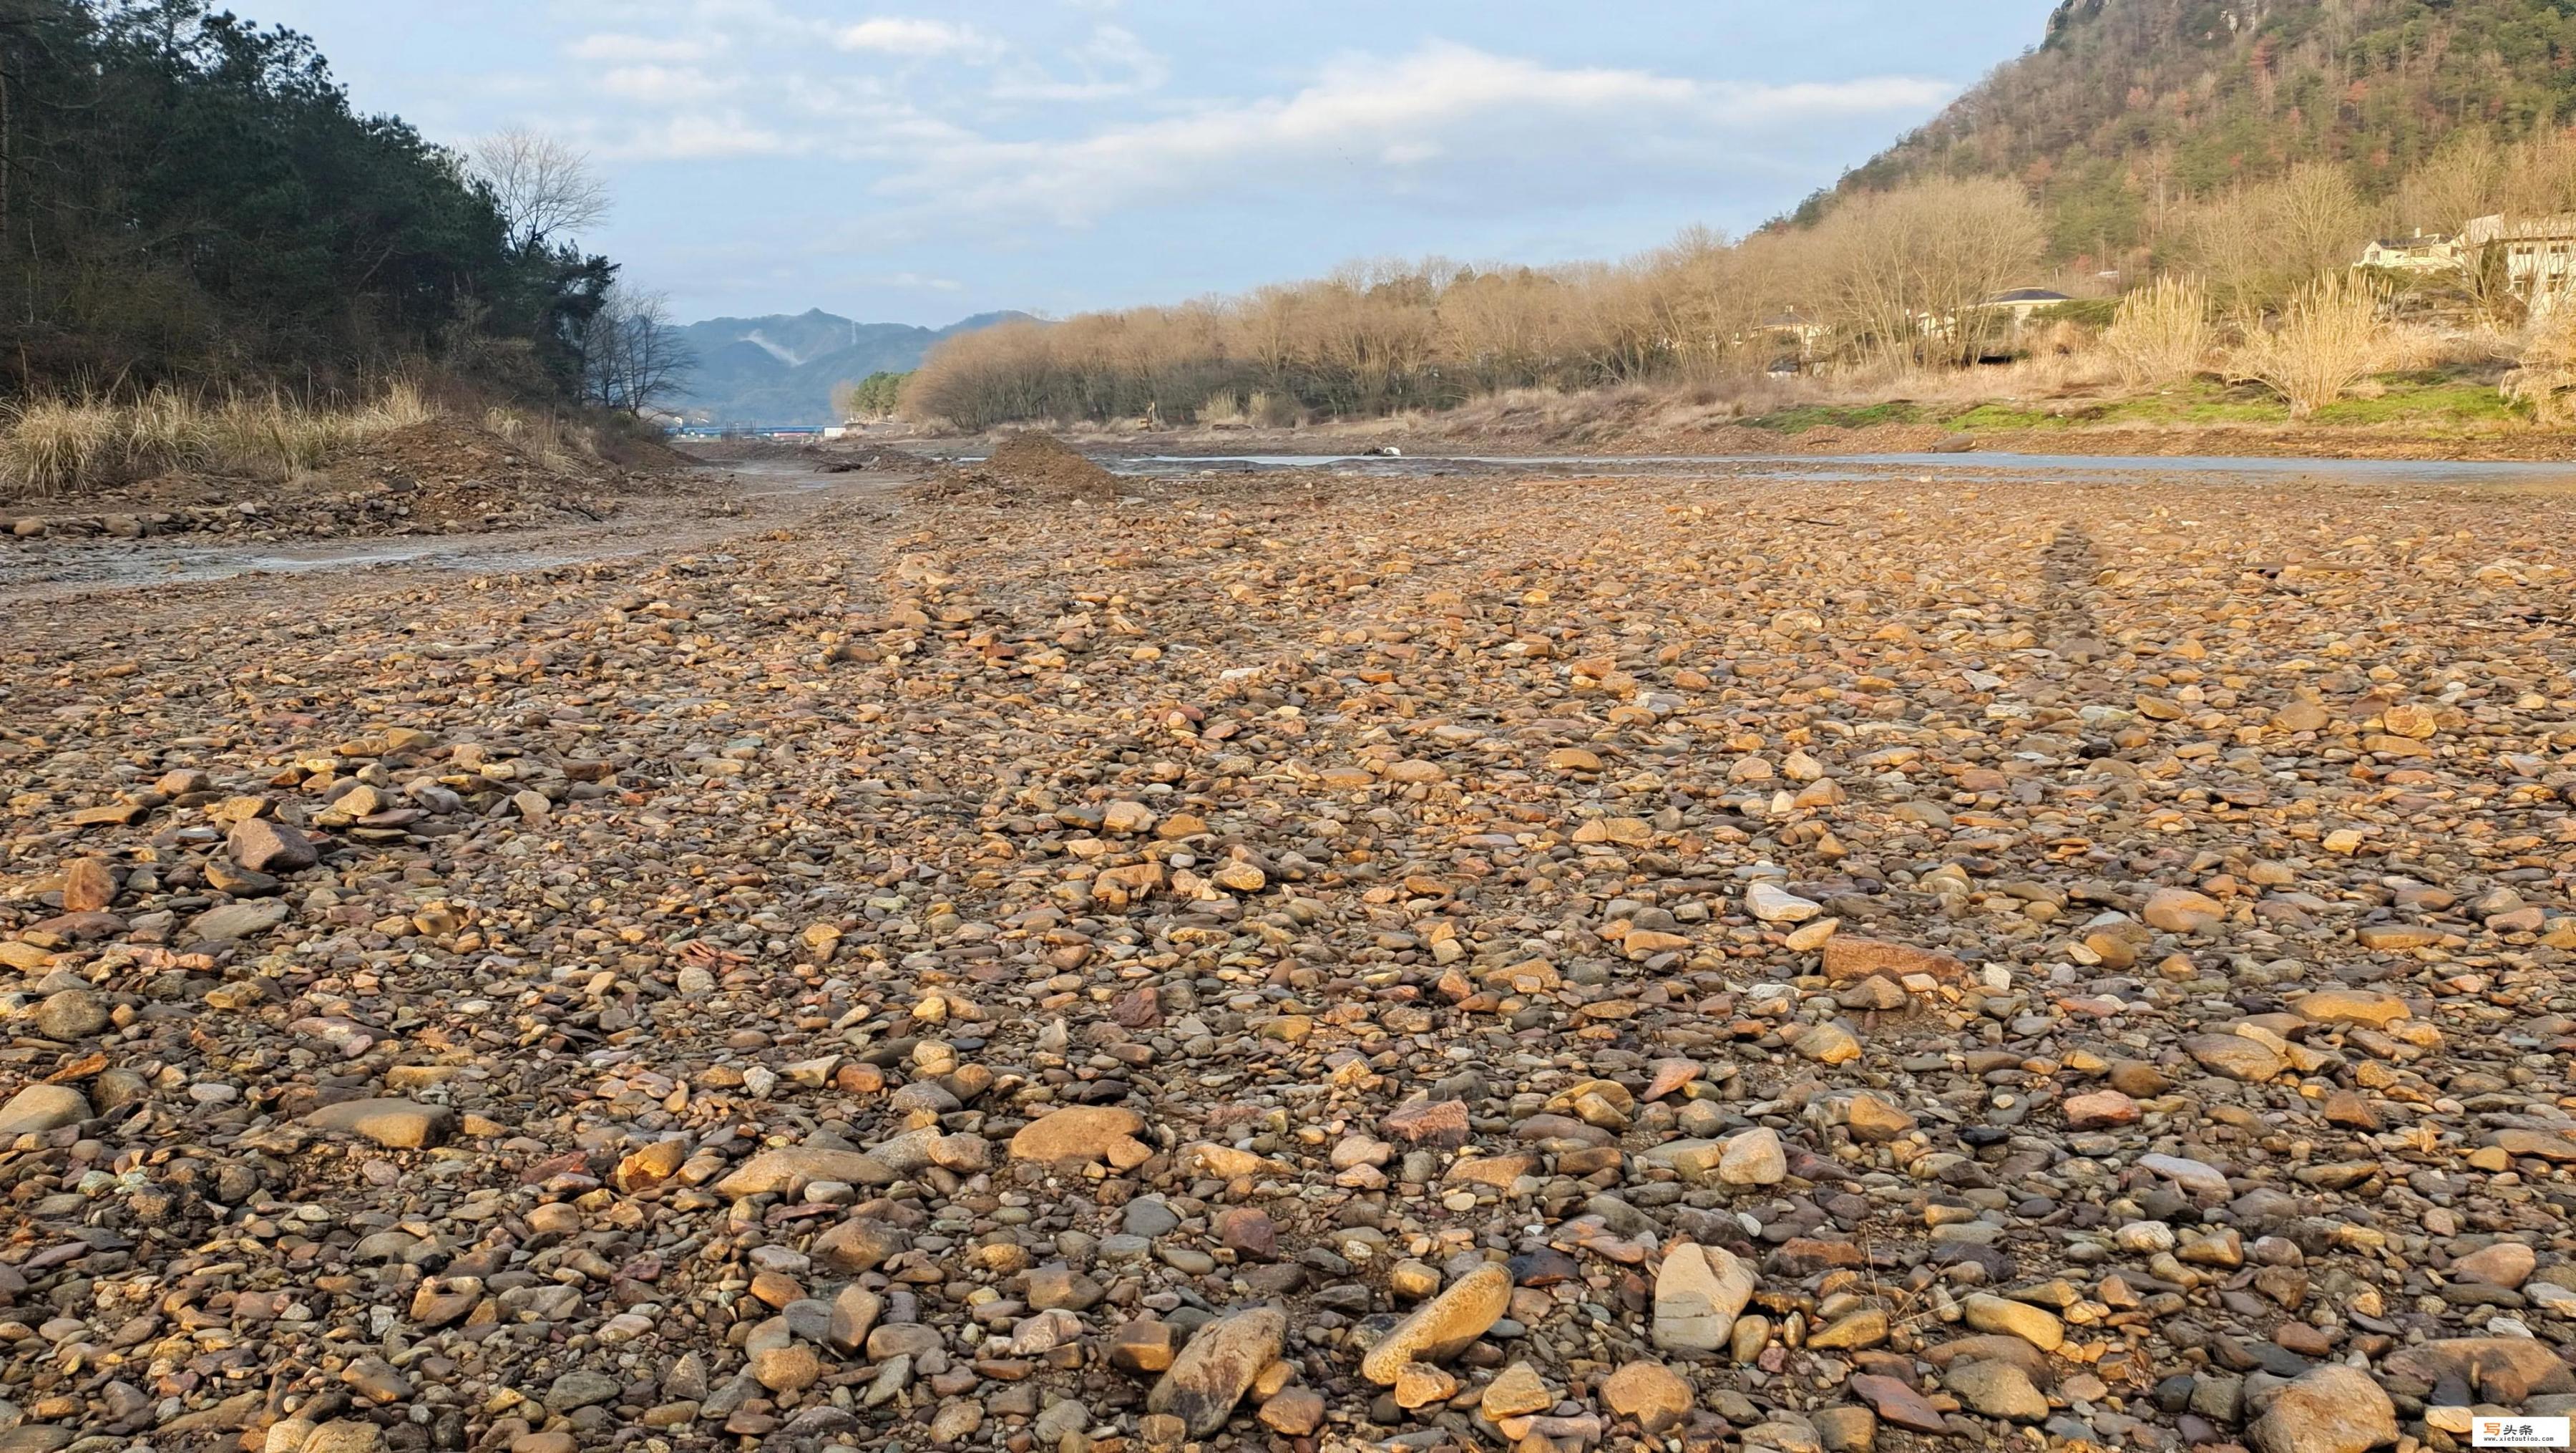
(237, 920)
(39, 1108)
(344, 1435)
(265, 846)
(1898, 1403)
(1443, 1327)
(1699, 1292)
(1997, 1389)
(2506, 1264)
(794, 1167)
(2034, 1325)
(2180, 910)
(1084, 1134)
(2195, 1176)
(2499, 1369)
(1217, 1367)
(1850, 957)
(2331, 1409)
(2350, 1006)
(1754, 1158)
(399, 1124)
(2234, 1057)
(1649, 1392)
(1772, 903)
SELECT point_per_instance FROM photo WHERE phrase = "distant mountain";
(781, 369)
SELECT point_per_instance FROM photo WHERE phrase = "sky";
(917, 163)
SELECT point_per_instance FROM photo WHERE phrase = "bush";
(2547, 378)
(2329, 338)
(2161, 334)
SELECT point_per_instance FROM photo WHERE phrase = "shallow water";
(776, 490)
(2391, 471)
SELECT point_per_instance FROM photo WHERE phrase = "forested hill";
(189, 197)
(2129, 107)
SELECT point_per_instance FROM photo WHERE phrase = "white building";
(2426, 252)
(2539, 254)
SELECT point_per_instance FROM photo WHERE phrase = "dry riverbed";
(1310, 962)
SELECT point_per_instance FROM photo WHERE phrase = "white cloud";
(642, 49)
(664, 85)
(698, 136)
(1495, 127)
(910, 36)
(1112, 62)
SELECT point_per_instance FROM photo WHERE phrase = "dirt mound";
(1028, 468)
(442, 476)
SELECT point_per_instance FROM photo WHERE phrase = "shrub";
(2547, 378)
(2328, 338)
(2160, 334)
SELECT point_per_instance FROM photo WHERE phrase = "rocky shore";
(1813, 966)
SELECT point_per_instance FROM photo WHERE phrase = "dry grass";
(556, 442)
(2329, 338)
(2161, 334)
(51, 447)
(2547, 378)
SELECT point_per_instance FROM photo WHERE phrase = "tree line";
(1880, 283)
(190, 199)
(1899, 279)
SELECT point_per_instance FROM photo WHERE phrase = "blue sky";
(917, 163)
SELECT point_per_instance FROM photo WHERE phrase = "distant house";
(1794, 337)
(2020, 303)
(2425, 252)
(2539, 254)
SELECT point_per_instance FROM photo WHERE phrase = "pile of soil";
(443, 476)
(1027, 468)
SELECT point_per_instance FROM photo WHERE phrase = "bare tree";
(1909, 272)
(2257, 244)
(543, 187)
(632, 358)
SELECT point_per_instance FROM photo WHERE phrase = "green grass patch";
(2446, 404)
(2431, 400)
(1822, 416)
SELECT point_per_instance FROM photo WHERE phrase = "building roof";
(2030, 295)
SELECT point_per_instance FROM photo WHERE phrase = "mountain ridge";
(780, 368)
(2126, 108)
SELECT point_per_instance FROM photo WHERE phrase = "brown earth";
(443, 476)
(1027, 467)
